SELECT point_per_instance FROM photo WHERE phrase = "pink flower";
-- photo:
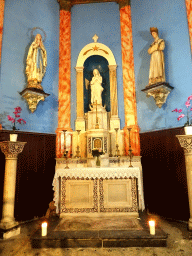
(187, 103)
(179, 111)
(179, 117)
(18, 109)
(14, 120)
(10, 118)
(190, 97)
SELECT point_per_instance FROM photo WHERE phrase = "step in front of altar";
(95, 232)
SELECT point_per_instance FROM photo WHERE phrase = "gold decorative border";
(78, 210)
(134, 207)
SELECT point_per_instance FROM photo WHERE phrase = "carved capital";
(185, 142)
(123, 3)
(65, 5)
(112, 67)
(12, 149)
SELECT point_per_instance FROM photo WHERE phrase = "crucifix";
(97, 123)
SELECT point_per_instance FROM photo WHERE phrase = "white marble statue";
(36, 62)
(96, 88)
(157, 66)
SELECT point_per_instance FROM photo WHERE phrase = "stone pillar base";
(8, 233)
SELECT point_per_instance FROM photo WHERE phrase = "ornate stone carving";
(159, 92)
(12, 149)
(185, 142)
(33, 96)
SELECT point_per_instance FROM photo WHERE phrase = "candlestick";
(64, 153)
(152, 227)
(117, 151)
(44, 229)
(78, 151)
(130, 149)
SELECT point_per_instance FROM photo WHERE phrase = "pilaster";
(129, 78)
(64, 111)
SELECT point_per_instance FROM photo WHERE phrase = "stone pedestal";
(186, 143)
(11, 151)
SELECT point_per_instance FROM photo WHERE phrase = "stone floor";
(178, 243)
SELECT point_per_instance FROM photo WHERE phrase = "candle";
(152, 227)
(44, 229)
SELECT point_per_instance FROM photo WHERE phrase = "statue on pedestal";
(36, 63)
(157, 66)
(96, 88)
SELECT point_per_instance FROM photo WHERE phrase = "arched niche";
(88, 51)
(100, 63)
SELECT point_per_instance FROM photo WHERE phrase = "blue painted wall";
(87, 20)
(19, 18)
(102, 19)
(171, 20)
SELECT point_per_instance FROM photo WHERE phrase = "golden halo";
(33, 29)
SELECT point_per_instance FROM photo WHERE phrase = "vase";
(188, 130)
(13, 137)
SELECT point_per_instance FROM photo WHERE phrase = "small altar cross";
(95, 38)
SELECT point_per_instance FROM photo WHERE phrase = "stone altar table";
(98, 190)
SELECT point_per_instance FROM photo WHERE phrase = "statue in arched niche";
(96, 87)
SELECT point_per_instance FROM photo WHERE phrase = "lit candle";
(152, 227)
(44, 229)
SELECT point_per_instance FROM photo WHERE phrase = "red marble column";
(189, 17)
(129, 81)
(64, 111)
(2, 3)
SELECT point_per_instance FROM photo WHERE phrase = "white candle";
(152, 227)
(44, 229)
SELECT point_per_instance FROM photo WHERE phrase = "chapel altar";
(98, 170)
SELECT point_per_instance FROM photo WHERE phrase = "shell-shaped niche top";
(95, 48)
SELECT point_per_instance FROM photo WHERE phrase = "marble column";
(129, 78)
(189, 18)
(11, 151)
(186, 143)
(2, 4)
(113, 89)
(80, 121)
(64, 110)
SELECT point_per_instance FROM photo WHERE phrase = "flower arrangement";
(97, 151)
(16, 118)
(189, 108)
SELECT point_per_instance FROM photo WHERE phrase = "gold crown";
(153, 29)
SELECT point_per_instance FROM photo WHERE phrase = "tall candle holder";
(117, 151)
(78, 151)
(110, 149)
(65, 153)
(130, 149)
